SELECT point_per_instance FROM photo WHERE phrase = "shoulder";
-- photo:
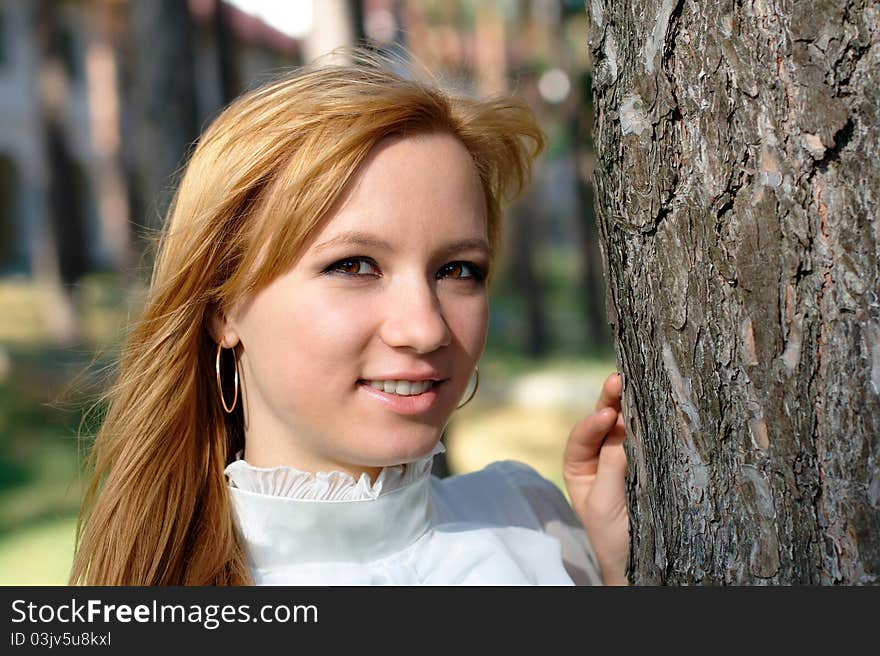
(510, 493)
(503, 492)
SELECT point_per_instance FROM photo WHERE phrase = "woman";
(318, 307)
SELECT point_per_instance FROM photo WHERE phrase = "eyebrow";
(365, 239)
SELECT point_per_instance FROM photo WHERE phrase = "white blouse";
(503, 525)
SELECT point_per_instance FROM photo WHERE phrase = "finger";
(609, 397)
(585, 439)
(611, 479)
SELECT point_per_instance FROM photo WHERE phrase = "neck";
(270, 457)
(281, 529)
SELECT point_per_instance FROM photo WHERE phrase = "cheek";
(334, 333)
(303, 344)
(469, 322)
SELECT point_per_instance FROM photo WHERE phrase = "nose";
(414, 319)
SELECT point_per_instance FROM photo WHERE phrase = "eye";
(463, 271)
(352, 266)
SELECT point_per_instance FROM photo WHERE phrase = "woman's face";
(391, 288)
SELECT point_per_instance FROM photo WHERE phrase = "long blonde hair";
(264, 174)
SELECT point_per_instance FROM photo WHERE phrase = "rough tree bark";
(737, 195)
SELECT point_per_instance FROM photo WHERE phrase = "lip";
(404, 405)
(410, 376)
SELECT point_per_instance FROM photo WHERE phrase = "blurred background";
(100, 101)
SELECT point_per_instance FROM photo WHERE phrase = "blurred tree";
(230, 84)
(737, 187)
(59, 258)
(10, 184)
(165, 97)
(596, 330)
(356, 16)
(525, 226)
(522, 272)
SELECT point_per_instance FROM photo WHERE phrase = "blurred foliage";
(564, 307)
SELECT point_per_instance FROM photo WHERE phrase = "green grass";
(39, 485)
(40, 554)
(44, 390)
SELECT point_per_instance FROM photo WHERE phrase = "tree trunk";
(737, 184)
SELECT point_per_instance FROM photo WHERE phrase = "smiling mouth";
(402, 387)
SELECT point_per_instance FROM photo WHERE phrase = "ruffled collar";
(293, 483)
(286, 517)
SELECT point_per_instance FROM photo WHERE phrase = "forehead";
(412, 190)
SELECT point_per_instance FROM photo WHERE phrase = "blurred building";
(66, 117)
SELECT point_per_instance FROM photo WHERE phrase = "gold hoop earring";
(220, 384)
(476, 385)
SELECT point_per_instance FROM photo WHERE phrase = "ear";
(222, 330)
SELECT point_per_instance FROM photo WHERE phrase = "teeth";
(402, 387)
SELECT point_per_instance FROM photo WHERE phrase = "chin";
(404, 451)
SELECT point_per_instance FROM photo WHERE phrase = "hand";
(594, 468)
